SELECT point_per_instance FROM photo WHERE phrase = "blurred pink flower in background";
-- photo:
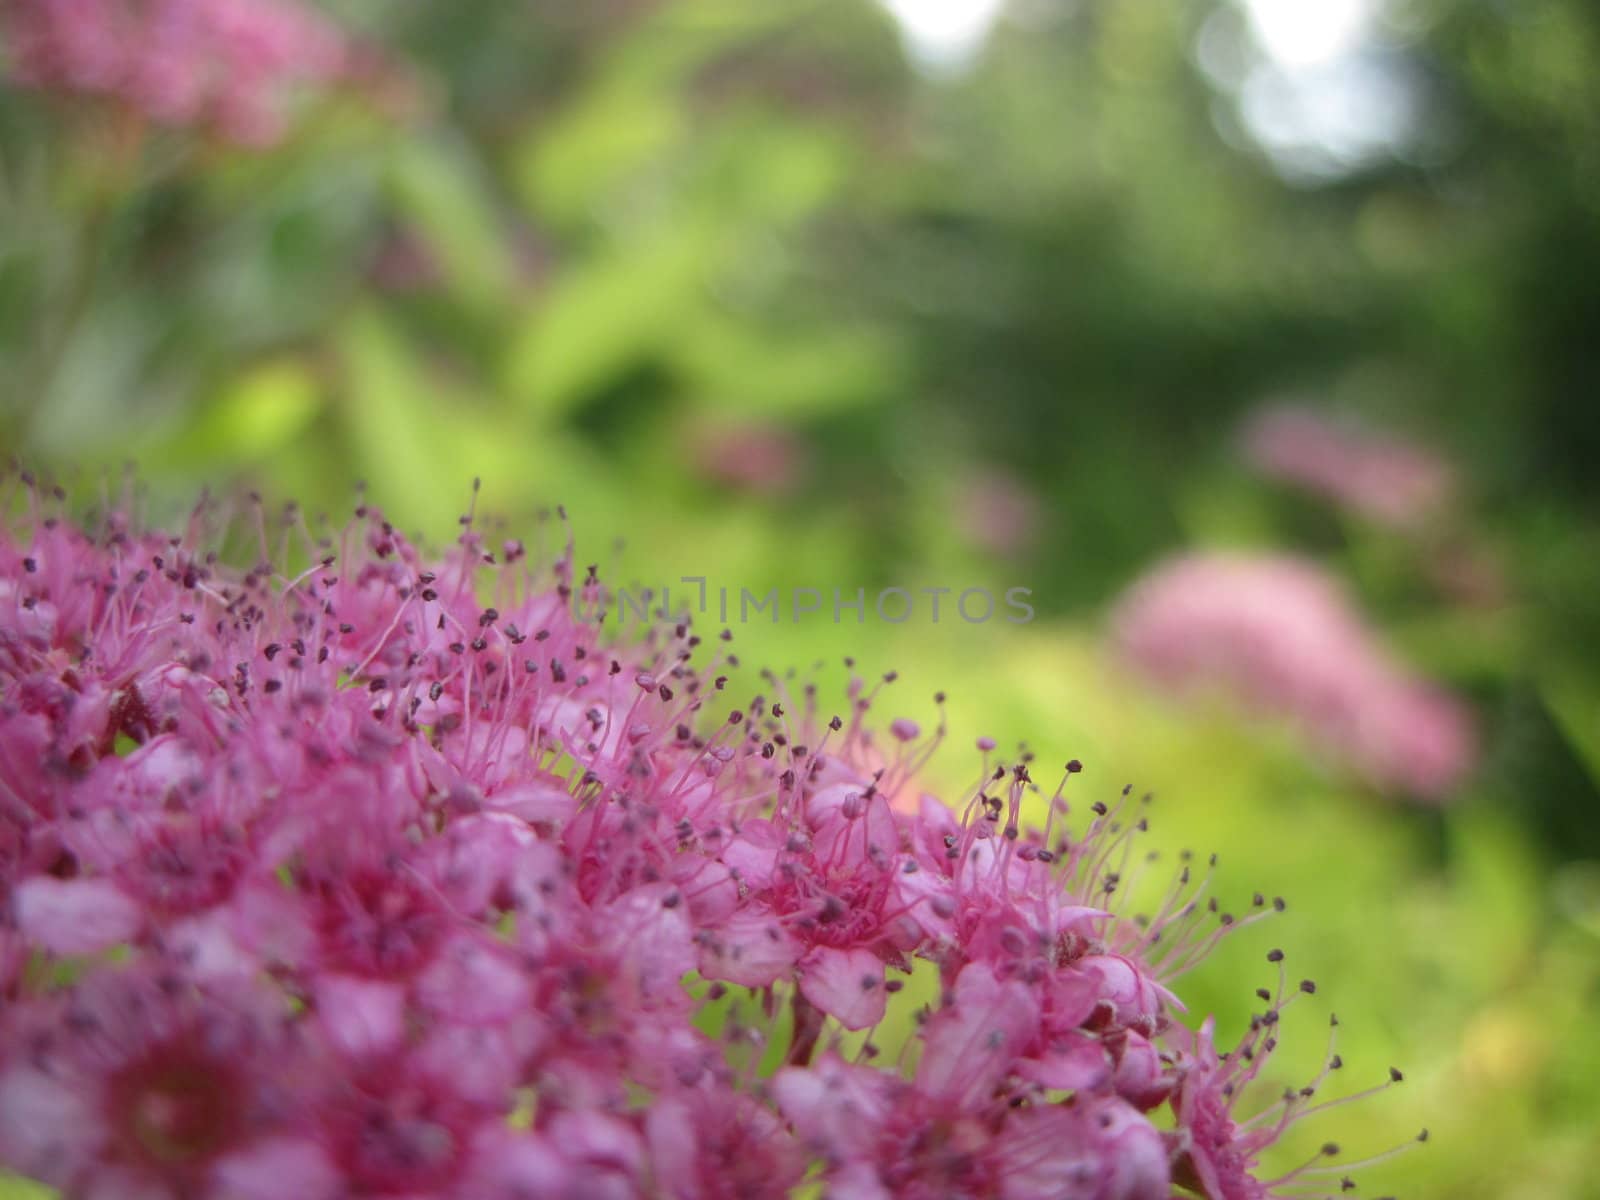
(996, 513)
(405, 261)
(1385, 479)
(1280, 635)
(228, 65)
(760, 458)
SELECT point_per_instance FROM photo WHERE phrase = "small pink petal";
(651, 930)
(1075, 1062)
(273, 1169)
(835, 1105)
(473, 983)
(75, 916)
(754, 852)
(536, 803)
(971, 1045)
(205, 944)
(752, 950)
(845, 984)
(857, 1181)
(598, 1140)
(48, 1129)
(361, 1016)
(519, 1164)
(669, 1130)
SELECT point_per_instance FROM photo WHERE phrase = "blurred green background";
(819, 294)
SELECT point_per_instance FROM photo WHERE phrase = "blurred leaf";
(737, 367)
(421, 436)
(253, 417)
(437, 183)
(1463, 642)
(763, 171)
(632, 112)
(604, 314)
(566, 169)
(392, 417)
(675, 39)
(1226, 511)
(13, 1187)
(1497, 886)
(1573, 700)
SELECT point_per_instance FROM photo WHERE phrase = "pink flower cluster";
(997, 513)
(386, 876)
(227, 65)
(1280, 635)
(1383, 479)
(760, 458)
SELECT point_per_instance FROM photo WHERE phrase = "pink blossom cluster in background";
(997, 513)
(755, 457)
(383, 875)
(231, 66)
(1281, 635)
(1384, 479)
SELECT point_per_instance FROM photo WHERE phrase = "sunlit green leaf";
(13, 1187)
(601, 316)
(740, 368)
(566, 170)
(391, 415)
(252, 417)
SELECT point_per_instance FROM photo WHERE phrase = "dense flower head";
(1281, 636)
(231, 66)
(386, 875)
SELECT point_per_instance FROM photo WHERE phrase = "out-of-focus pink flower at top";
(1280, 635)
(997, 513)
(1385, 479)
(232, 66)
(758, 458)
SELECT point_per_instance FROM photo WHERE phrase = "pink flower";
(389, 877)
(1281, 636)
(233, 66)
(883, 1138)
(137, 1076)
(997, 513)
(757, 458)
(712, 1144)
(1383, 479)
